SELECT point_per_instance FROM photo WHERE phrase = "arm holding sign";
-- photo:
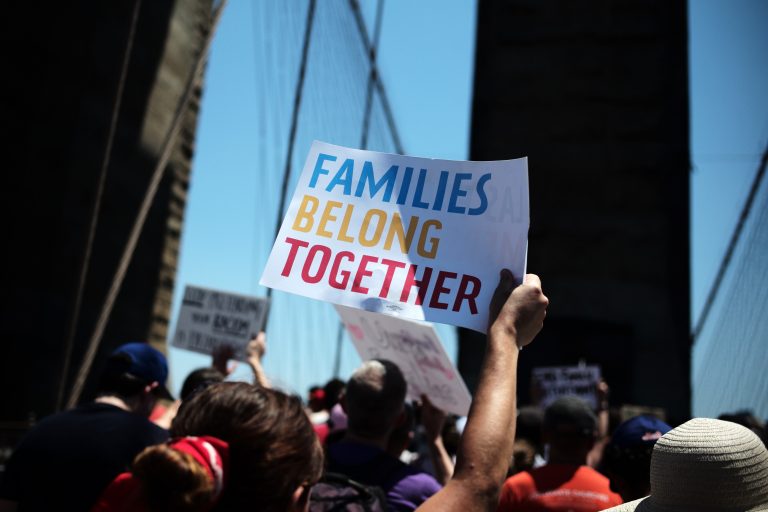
(517, 315)
(255, 351)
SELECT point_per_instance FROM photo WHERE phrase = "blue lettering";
(387, 180)
(343, 177)
(405, 185)
(440, 190)
(321, 158)
(417, 202)
(457, 192)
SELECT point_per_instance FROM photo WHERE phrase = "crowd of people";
(357, 445)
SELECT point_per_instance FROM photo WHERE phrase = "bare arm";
(486, 446)
(433, 420)
(603, 425)
(256, 350)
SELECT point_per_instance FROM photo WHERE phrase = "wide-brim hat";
(706, 465)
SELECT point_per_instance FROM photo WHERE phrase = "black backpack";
(339, 493)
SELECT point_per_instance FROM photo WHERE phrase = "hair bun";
(173, 480)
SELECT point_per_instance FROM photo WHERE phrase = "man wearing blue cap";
(66, 460)
(627, 458)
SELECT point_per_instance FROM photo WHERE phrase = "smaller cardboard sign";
(210, 318)
(416, 349)
(556, 381)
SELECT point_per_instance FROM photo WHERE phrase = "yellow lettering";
(306, 213)
(326, 217)
(396, 228)
(343, 236)
(434, 242)
(370, 242)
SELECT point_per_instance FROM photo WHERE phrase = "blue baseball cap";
(642, 430)
(147, 364)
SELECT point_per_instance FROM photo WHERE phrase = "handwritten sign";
(416, 349)
(209, 318)
(414, 237)
(557, 381)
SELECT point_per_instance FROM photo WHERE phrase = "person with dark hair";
(185, 475)
(565, 483)
(275, 456)
(627, 457)
(199, 379)
(269, 455)
(67, 459)
(374, 402)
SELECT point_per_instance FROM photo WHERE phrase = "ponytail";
(186, 475)
(172, 480)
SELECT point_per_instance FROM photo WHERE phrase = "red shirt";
(557, 487)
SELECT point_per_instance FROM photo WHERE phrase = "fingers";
(532, 280)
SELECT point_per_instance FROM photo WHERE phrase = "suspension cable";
(157, 174)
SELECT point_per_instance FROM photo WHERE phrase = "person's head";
(316, 400)
(530, 420)
(627, 458)
(332, 392)
(186, 475)
(198, 380)
(274, 454)
(570, 429)
(706, 464)
(136, 374)
(374, 399)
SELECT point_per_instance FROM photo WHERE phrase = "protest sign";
(416, 349)
(210, 318)
(414, 237)
(556, 381)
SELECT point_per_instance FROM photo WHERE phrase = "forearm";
(441, 461)
(259, 377)
(486, 446)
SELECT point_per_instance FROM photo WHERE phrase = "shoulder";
(592, 480)
(588, 474)
(411, 489)
(515, 489)
(523, 479)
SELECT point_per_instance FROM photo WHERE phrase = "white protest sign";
(416, 349)
(414, 237)
(210, 318)
(557, 381)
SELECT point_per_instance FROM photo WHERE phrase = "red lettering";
(421, 284)
(392, 266)
(333, 279)
(471, 296)
(434, 301)
(295, 244)
(326, 257)
(362, 272)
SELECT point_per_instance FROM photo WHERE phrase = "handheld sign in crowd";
(210, 318)
(414, 237)
(557, 381)
(416, 349)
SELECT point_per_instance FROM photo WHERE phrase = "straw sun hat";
(706, 465)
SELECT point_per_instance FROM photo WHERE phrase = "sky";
(426, 60)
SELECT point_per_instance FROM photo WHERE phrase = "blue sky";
(426, 61)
